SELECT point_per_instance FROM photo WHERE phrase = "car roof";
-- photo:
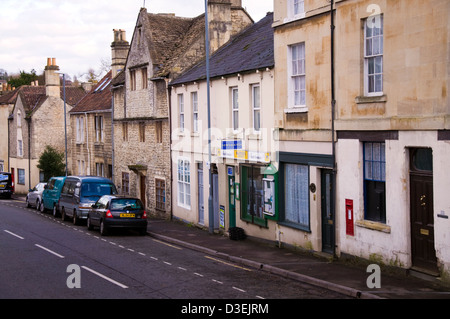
(90, 178)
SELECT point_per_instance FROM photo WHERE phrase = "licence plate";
(2, 186)
(127, 215)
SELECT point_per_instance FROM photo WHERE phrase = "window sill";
(297, 109)
(295, 226)
(371, 99)
(373, 226)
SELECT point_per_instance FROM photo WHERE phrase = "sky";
(78, 33)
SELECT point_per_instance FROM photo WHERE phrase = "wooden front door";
(421, 208)
(142, 190)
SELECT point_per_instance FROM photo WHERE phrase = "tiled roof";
(252, 49)
(99, 99)
(33, 96)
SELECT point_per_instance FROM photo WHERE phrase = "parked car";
(79, 193)
(6, 185)
(117, 212)
(50, 196)
(34, 196)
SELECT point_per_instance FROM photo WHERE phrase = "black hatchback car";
(114, 211)
(6, 184)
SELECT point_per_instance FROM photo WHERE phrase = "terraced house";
(162, 47)
(37, 120)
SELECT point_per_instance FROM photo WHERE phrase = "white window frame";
(184, 182)
(256, 107)
(80, 129)
(181, 112)
(100, 169)
(373, 54)
(195, 120)
(297, 78)
(99, 136)
(235, 109)
(295, 10)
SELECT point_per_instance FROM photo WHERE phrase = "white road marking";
(104, 277)
(14, 234)
(238, 289)
(50, 251)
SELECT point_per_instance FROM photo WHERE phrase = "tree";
(23, 79)
(51, 163)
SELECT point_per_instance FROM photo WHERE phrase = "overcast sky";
(78, 33)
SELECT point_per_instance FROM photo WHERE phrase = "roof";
(98, 99)
(34, 96)
(9, 97)
(252, 49)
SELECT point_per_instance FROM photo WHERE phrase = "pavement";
(345, 275)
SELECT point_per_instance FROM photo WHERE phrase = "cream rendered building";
(242, 146)
(392, 122)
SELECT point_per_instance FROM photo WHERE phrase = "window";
(144, 78)
(373, 55)
(142, 132)
(158, 129)
(100, 169)
(80, 130)
(160, 186)
(99, 128)
(235, 108)
(125, 131)
(81, 167)
(296, 195)
(181, 111)
(19, 119)
(297, 83)
(20, 148)
(184, 183)
(299, 7)
(374, 182)
(21, 179)
(125, 183)
(194, 98)
(252, 197)
(256, 106)
(133, 80)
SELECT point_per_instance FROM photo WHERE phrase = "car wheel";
(42, 208)
(28, 203)
(55, 211)
(75, 218)
(63, 214)
(38, 205)
(88, 223)
(103, 230)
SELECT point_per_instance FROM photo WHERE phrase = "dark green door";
(232, 201)
(328, 231)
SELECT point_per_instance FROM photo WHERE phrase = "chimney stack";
(119, 51)
(52, 80)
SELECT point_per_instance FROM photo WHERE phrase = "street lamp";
(210, 198)
(65, 116)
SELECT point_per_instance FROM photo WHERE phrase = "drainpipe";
(28, 119)
(333, 141)
(88, 166)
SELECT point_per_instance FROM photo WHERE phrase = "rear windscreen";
(126, 204)
(4, 177)
(97, 189)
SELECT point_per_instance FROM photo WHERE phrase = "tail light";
(144, 215)
(108, 214)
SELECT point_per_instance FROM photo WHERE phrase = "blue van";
(50, 196)
(79, 193)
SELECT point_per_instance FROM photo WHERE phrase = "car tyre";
(38, 205)
(55, 211)
(63, 215)
(28, 203)
(88, 223)
(75, 218)
(103, 229)
(42, 207)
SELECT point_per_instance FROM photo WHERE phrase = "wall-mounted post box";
(350, 229)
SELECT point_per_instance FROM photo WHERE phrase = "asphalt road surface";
(44, 257)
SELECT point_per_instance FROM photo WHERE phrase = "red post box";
(350, 229)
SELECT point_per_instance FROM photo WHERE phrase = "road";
(44, 257)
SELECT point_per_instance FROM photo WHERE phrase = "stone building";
(162, 47)
(91, 138)
(38, 120)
